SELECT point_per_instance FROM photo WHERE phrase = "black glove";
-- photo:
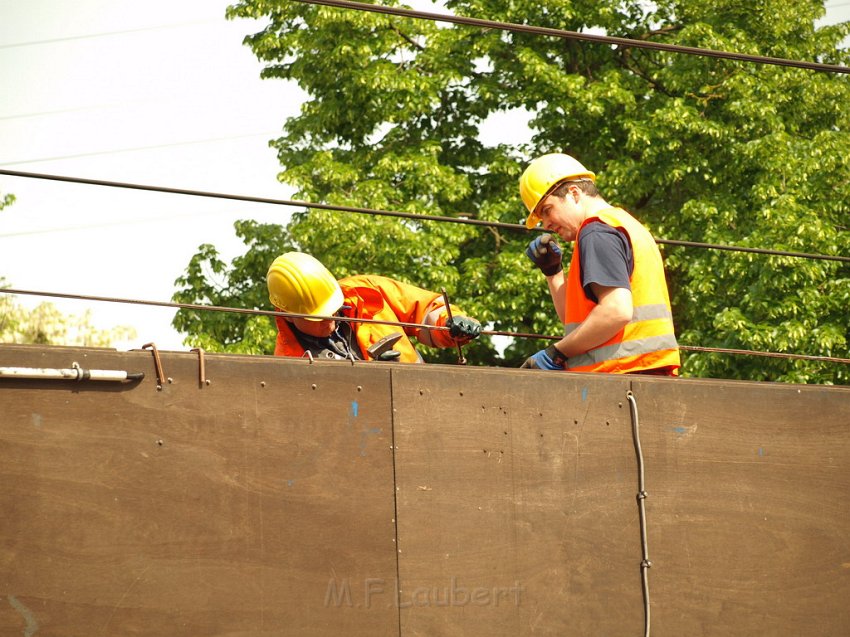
(463, 327)
(546, 254)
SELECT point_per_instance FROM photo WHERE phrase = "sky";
(159, 93)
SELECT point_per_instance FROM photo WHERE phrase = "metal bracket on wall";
(160, 375)
(202, 374)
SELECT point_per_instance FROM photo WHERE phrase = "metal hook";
(160, 376)
(202, 369)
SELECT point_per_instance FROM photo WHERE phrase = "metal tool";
(382, 350)
(461, 359)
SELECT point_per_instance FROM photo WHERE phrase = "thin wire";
(90, 36)
(215, 308)
(390, 213)
(726, 350)
(645, 564)
(574, 35)
(240, 310)
(134, 149)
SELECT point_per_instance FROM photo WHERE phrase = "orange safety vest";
(647, 342)
(372, 297)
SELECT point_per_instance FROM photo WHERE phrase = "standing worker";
(298, 283)
(614, 302)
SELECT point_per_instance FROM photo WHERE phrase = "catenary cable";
(241, 310)
(574, 35)
(390, 213)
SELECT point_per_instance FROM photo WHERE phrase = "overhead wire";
(90, 36)
(251, 311)
(345, 4)
(95, 153)
(389, 213)
(575, 35)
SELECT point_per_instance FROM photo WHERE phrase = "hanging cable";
(645, 564)
(574, 35)
(387, 213)
(240, 310)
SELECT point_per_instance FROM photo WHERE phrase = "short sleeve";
(605, 256)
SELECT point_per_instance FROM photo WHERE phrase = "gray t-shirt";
(605, 256)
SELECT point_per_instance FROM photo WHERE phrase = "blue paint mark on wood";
(26, 613)
(684, 431)
(355, 408)
(584, 394)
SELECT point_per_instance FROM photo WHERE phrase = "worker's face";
(562, 215)
(319, 329)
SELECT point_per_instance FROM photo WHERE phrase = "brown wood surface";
(286, 498)
(520, 486)
(748, 508)
(225, 509)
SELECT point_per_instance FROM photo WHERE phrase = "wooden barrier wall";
(289, 498)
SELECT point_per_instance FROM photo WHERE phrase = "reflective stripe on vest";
(648, 341)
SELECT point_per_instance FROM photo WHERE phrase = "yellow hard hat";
(541, 177)
(300, 284)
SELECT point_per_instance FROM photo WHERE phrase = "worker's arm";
(556, 284)
(546, 254)
(611, 314)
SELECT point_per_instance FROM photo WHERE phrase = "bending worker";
(614, 302)
(298, 283)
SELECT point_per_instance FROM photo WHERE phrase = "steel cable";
(574, 35)
(240, 310)
(387, 213)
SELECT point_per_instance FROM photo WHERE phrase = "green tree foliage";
(242, 284)
(700, 149)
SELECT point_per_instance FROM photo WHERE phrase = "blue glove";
(549, 359)
(545, 253)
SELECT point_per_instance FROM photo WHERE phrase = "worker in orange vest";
(614, 302)
(299, 284)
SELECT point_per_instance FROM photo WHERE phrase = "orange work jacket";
(648, 341)
(372, 297)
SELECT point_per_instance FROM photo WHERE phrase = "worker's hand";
(463, 329)
(549, 359)
(546, 254)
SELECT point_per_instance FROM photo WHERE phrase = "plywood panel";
(256, 505)
(516, 504)
(265, 503)
(749, 507)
